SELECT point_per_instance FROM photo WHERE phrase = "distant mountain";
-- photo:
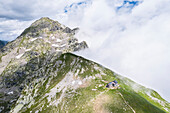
(38, 74)
(2, 43)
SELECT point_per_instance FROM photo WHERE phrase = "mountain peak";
(45, 35)
(45, 22)
(46, 25)
(45, 19)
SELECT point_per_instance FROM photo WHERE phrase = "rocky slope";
(40, 75)
(43, 37)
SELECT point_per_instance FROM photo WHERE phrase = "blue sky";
(74, 6)
(129, 4)
(129, 37)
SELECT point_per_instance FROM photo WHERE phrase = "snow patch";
(100, 85)
(82, 71)
(47, 41)
(63, 45)
(93, 89)
(28, 50)
(58, 40)
(40, 37)
(58, 50)
(19, 56)
(53, 37)
(33, 39)
(77, 82)
(11, 92)
(55, 45)
(73, 82)
(77, 72)
(37, 111)
(80, 83)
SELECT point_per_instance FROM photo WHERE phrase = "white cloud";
(16, 15)
(28, 10)
(10, 29)
(134, 44)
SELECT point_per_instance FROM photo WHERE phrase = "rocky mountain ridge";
(38, 74)
(43, 37)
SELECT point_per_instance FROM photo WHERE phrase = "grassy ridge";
(92, 97)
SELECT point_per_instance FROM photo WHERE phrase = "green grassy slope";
(72, 84)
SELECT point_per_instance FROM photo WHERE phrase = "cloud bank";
(130, 37)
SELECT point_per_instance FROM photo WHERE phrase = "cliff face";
(39, 74)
